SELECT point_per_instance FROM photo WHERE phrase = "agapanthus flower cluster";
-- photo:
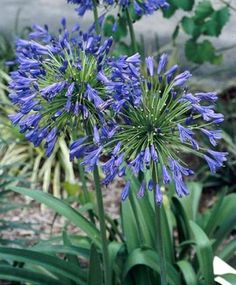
(141, 7)
(57, 87)
(155, 124)
(144, 7)
(85, 5)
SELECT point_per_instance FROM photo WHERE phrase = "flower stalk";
(96, 20)
(131, 31)
(101, 216)
(159, 237)
(85, 190)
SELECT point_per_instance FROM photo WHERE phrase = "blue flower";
(213, 165)
(217, 161)
(159, 197)
(220, 157)
(150, 66)
(141, 191)
(187, 135)
(149, 134)
(209, 96)
(162, 63)
(125, 192)
(180, 187)
(213, 135)
(150, 185)
(166, 175)
(58, 83)
(85, 5)
(144, 7)
(181, 79)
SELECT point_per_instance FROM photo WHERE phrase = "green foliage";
(201, 52)
(205, 21)
(225, 177)
(121, 28)
(63, 209)
(134, 259)
(204, 254)
(192, 237)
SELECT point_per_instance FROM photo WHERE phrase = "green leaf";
(63, 209)
(175, 33)
(217, 21)
(181, 220)
(221, 219)
(210, 217)
(75, 250)
(108, 25)
(167, 236)
(144, 212)
(129, 226)
(71, 188)
(71, 258)
(186, 5)
(51, 263)
(151, 259)
(201, 52)
(122, 48)
(121, 29)
(95, 271)
(231, 278)
(169, 12)
(203, 10)
(191, 202)
(22, 275)
(190, 27)
(114, 248)
(228, 250)
(204, 254)
(188, 272)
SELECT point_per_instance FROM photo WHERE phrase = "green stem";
(159, 237)
(160, 244)
(134, 207)
(95, 14)
(131, 31)
(101, 216)
(85, 190)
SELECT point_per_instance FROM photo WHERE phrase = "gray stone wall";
(16, 14)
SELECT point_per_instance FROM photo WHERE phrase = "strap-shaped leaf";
(231, 278)
(204, 254)
(188, 272)
(222, 219)
(23, 275)
(144, 212)
(129, 226)
(54, 249)
(53, 264)
(151, 259)
(95, 271)
(182, 220)
(228, 251)
(63, 209)
(191, 202)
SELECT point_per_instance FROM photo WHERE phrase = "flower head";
(140, 7)
(144, 7)
(85, 5)
(56, 86)
(149, 136)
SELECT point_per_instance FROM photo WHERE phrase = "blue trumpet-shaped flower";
(152, 129)
(57, 86)
(141, 7)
